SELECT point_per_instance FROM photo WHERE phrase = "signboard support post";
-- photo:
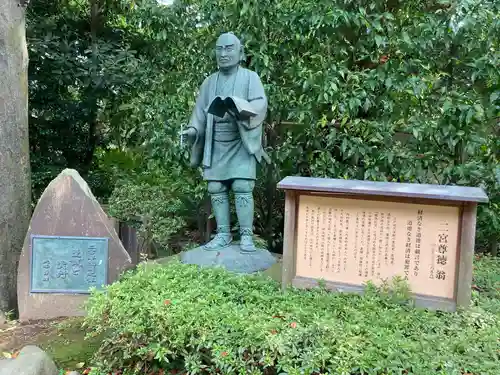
(288, 271)
(467, 242)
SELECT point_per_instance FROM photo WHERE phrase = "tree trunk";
(15, 184)
(96, 23)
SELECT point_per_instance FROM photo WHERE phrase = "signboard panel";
(353, 241)
(68, 264)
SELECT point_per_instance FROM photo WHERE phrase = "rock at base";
(31, 360)
(230, 258)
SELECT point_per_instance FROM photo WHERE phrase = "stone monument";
(71, 245)
(225, 133)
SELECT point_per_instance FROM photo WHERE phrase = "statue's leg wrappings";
(220, 206)
(243, 195)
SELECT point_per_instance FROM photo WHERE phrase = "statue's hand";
(189, 132)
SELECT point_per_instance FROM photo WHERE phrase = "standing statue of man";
(229, 147)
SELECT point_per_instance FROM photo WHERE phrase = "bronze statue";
(225, 130)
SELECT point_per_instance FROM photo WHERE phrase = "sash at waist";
(225, 126)
(226, 131)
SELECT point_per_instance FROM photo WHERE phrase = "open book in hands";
(234, 105)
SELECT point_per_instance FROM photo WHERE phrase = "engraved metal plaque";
(62, 264)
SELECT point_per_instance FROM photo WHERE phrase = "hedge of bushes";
(177, 318)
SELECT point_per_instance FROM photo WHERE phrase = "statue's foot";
(246, 244)
(220, 241)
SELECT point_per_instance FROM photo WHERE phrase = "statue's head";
(229, 51)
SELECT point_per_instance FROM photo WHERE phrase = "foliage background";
(382, 90)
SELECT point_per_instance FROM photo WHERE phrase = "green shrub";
(486, 287)
(156, 199)
(157, 205)
(178, 317)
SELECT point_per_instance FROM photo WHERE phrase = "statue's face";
(228, 51)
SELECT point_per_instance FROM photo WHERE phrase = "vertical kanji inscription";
(307, 231)
(324, 216)
(418, 242)
(346, 239)
(329, 239)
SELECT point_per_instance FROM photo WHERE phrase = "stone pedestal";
(230, 258)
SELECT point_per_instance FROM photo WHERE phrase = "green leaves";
(247, 325)
(394, 80)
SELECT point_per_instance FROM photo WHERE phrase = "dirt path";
(14, 335)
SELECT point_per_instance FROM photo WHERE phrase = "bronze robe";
(228, 148)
